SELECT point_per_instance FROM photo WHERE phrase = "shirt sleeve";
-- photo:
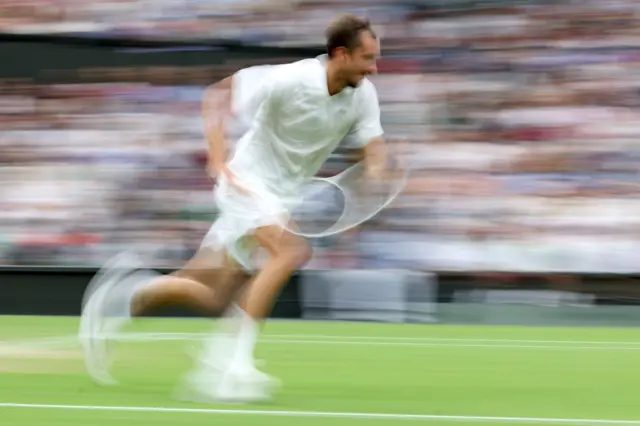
(256, 87)
(367, 125)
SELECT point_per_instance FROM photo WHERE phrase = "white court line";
(267, 340)
(409, 339)
(43, 342)
(326, 414)
(278, 338)
(71, 340)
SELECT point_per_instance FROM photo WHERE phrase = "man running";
(297, 114)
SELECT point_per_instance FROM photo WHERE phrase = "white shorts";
(240, 215)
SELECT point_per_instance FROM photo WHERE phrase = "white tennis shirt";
(294, 124)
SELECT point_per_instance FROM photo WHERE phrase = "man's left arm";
(376, 157)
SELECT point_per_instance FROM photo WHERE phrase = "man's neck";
(335, 84)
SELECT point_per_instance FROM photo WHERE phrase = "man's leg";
(124, 290)
(287, 253)
(196, 285)
(235, 377)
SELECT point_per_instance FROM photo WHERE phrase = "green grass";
(588, 373)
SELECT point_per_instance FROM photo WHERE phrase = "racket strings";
(362, 199)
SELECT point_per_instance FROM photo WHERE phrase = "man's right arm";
(216, 110)
(240, 96)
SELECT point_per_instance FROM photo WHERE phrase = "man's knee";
(298, 254)
(293, 249)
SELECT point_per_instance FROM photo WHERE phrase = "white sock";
(222, 341)
(246, 342)
(230, 319)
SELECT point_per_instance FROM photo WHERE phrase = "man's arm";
(368, 135)
(216, 110)
(240, 96)
(376, 157)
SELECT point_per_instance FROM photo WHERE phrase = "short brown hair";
(345, 32)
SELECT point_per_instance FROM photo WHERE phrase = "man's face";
(361, 61)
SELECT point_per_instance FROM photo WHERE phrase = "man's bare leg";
(197, 285)
(288, 253)
(232, 376)
(122, 291)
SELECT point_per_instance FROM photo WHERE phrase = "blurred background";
(522, 120)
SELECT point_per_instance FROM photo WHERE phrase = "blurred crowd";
(404, 23)
(521, 120)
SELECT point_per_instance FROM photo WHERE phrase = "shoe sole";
(241, 390)
(238, 390)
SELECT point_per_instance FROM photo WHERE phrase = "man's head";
(353, 47)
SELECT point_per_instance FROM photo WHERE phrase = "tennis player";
(297, 114)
